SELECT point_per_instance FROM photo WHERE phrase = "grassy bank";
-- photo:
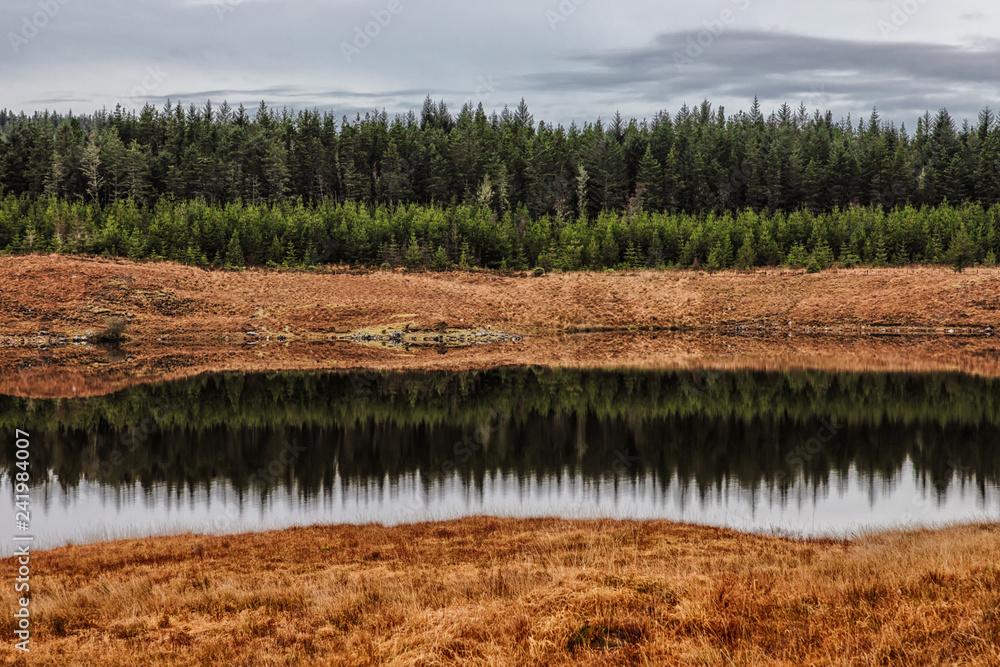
(184, 321)
(514, 592)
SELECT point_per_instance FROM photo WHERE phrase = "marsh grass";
(489, 591)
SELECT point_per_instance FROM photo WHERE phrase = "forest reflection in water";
(804, 452)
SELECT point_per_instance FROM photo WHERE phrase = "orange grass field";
(513, 592)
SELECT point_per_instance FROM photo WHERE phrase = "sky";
(571, 60)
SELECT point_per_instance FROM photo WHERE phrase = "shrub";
(114, 330)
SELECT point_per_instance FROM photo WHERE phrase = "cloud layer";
(571, 59)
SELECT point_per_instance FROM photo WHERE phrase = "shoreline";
(184, 321)
(99, 540)
(516, 591)
(94, 375)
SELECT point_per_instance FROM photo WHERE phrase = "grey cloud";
(287, 52)
(900, 78)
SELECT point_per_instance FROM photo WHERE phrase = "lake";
(800, 453)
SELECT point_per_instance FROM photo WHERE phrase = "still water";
(803, 453)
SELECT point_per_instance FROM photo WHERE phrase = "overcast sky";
(571, 60)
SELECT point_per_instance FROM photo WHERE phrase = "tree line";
(697, 160)
(295, 234)
(500, 190)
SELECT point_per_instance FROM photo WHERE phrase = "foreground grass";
(513, 592)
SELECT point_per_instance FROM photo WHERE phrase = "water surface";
(804, 452)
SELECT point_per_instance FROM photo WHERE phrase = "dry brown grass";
(514, 592)
(183, 321)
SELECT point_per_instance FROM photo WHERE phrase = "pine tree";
(465, 256)
(769, 252)
(191, 256)
(390, 254)
(797, 257)
(879, 255)
(90, 166)
(291, 256)
(609, 249)
(746, 257)
(823, 254)
(137, 172)
(582, 191)
(650, 175)
(136, 248)
(932, 253)
(234, 254)
(716, 259)
(849, 259)
(414, 254)
(440, 259)
(311, 256)
(962, 251)
(594, 259)
(633, 258)
(275, 254)
(899, 256)
(113, 157)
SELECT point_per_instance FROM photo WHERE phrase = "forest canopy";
(694, 188)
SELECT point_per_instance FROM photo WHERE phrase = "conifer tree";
(746, 257)
(234, 253)
(414, 254)
(962, 251)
